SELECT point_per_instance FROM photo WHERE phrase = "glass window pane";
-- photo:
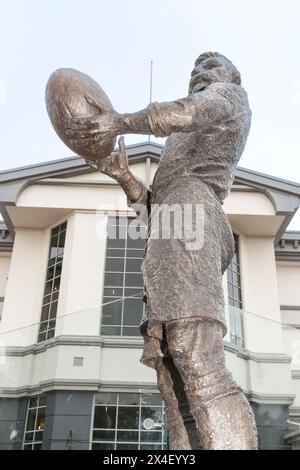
(150, 447)
(53, 246)
(53, 309)
(46, 299)
(31, 420)
(27, 447)
(154, 436)
(111, 330)
(54, 296)
(135, 292)
(118, 243)
(127, 446)
(38, 436)
(116, 220)
(112, 292)
(133, 244)
(40, 422)
(42, 400)
(103, 435)
(135, 253)
(114, 279)
(43, 326)
(134, 280)
(151, 399)
(128, 417)
(151, 412)
(131, 331)
(115, 253)
(37, 446)
(112, 312)
(48, 288)
(50, 272)
(42, 337)
(105, 417)
(114, 264)
(58, 268)
(45, 312)
(102, 446)
(33, 402)
(115, 232)
(133, 265)
(56, 284)
(133, 311)
(28, 436)
(106, 398)
(128, 436)
(50, 334)
(129, 399)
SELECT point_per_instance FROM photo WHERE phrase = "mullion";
(124, 277)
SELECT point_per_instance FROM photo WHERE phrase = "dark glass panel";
(133, 265)
(111, 330)
(134, 280)
(128, 417)
(106, 398)
(114, 279)
(103, 435)
(133, 311)
(131, 331)
(129, 436)
(105, 417)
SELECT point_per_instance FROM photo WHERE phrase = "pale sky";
(114, 41)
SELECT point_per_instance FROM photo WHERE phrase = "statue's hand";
(103, 126)
(115, 166)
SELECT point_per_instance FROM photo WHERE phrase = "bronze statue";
(184, 327)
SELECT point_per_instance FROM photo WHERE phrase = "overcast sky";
(114, 41)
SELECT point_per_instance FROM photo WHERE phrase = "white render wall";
(5, 259)
(88, 205)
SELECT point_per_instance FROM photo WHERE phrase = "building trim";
(290, 307)
(131, 343)
(270, 398)
(120, 386)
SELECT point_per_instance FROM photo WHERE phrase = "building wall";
(262, 369)
(5, 259)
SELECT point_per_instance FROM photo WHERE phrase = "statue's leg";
(221, 411)
(178, 436)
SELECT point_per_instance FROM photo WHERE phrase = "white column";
(24, 292)
(260, 295)
(82, 275)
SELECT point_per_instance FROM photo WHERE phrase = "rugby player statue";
(185, 323)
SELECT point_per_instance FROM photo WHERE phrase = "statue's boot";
(223, 416)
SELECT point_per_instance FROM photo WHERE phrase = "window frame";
(136, 444)
(235, 303)
(120, 329)
(37, 408)
(50, 299)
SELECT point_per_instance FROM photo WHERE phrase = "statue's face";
(209, 70)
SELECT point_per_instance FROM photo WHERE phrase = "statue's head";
(212, 67)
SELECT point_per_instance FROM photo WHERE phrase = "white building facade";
(71, 302)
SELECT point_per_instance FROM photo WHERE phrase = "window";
(123, 306)
(52, 284)
(127, 421)
(35, 423)
(235, 298)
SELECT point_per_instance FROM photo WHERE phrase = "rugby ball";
(66, 101)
